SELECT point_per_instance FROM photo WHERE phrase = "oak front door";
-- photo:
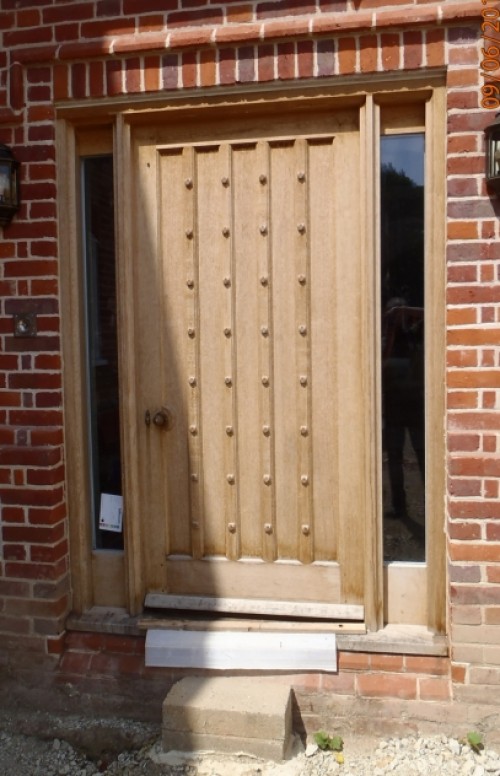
(246, 422)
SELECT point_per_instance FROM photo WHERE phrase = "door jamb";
(74, 390)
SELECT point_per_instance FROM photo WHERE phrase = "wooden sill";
(393, 639)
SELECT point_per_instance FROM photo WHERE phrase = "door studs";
(162, 418)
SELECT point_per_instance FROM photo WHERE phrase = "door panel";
(246, 314)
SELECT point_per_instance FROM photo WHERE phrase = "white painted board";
(228, 650)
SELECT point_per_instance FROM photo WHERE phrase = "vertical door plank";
(352, 405)
(175, 213)
(192, 387)
(267, 426)
(250, 249)
(302, 226)
(285, 327)
(231, 379)
(325, 368)
(216, 383)
(148, 346)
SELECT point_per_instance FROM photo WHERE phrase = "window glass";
(102, 352)
(402, 304)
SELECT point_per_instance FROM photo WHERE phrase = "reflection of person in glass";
(403, 393)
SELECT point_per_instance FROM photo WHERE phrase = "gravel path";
(34, 755)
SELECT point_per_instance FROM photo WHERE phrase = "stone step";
(229, 714)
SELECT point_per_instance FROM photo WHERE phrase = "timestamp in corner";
(490, 63)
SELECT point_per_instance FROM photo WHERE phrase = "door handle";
(162, 418)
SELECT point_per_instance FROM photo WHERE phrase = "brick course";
(89, 50)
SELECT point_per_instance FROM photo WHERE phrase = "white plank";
(255, 606)
(229, 650)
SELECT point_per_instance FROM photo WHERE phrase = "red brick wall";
(78, 50)
(360, 675)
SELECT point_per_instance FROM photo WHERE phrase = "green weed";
(475, 740)
(327, 742)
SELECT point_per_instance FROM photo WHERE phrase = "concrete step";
(229, 714)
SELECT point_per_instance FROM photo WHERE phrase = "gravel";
(34, 755)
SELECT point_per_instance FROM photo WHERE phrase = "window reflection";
(102, 349)
(402, 289)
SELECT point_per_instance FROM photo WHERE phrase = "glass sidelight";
(402, 306)
(102, 352)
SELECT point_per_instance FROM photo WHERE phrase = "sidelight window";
(102, 352)
(403, 357)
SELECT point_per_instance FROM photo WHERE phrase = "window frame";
(420, 587)
(112, 578)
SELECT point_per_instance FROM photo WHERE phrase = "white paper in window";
(111, 513)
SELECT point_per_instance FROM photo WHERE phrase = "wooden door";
(247, 428)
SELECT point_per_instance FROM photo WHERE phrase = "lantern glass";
(494, 157)
(492, 134)
(9, 186)
(5, 183)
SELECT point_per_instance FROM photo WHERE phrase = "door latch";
(162, 418)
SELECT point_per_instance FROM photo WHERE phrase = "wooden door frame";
(127, 569)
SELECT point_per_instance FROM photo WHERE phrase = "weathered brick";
(265, 63)
(227, 66)
(464, 573)
(434, 689)
(462, 357)
(340, 684)
(458, 673)
(151, 73)
(354, 661)
(412, 49)
(114, 77)
(14, 551)
(210, 16)
(246, 64)
(286, 60)
(463, 531)
(325, 57)
(392, 663)
(466, 614)
(475, 594)
(133, 70)
(170, 71)
(435, 48)
(368, 53)
(42, 554)
(305, 59)
(79, 80)
(484, 675)
(390, 43)
(347, 55)
(374, 685)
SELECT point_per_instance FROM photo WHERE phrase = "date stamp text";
(490, 63)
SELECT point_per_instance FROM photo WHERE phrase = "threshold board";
(253, 606)
(225, 650)
(228, 623)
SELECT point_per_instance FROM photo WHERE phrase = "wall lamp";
(9, 185)
(492, 134)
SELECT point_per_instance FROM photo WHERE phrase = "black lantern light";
(9, 185)
(492, 134)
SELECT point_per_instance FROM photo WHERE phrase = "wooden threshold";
(259, 607)
(248, 625)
